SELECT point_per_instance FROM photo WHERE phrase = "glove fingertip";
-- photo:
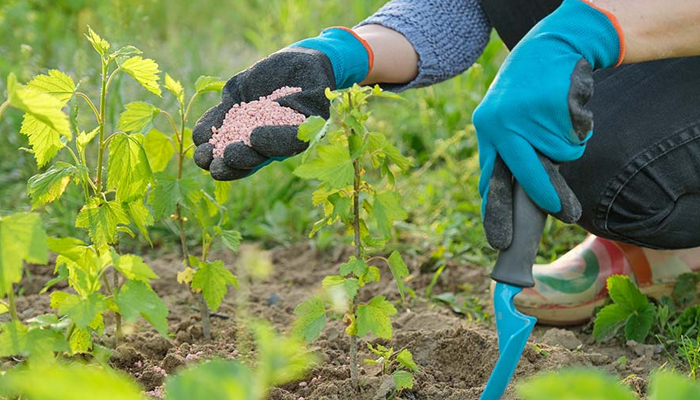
(204, 155)
(277, 141)
(222, 172)
(241, 156)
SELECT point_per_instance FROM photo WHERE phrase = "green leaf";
(313, 128)
(144, 71)
(44, 140)
(348, 286)
(402, 380)
(125, 51)
(49, 186)
(85, 138)
(80, 341)
(128, 170)
(136, 299)
(626, 294)
(208, 84)
(138, 117)
(667, 385)
(42, 107)
(575, 384)
(405, 358)
(99, 44)
(77, 381)
(101, 218)
(385, 210)
(354, 266)
(231, 239)
(333, 165)
(221, 191)
(134, 268)
(22, 238)
(280, 359)
(82, 311)
(169, 192)
(372, 275)
(214, 380)
(213, 279)
(311, 319)
(140, 215)
(399, 270)
(639, 324)
(56, 83)
(379, 145)
(608, 321)
(159, 149)
(13, 339)
(375, 317)
(175, 87)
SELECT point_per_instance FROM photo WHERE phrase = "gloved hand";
(535, 112)
(335, 59)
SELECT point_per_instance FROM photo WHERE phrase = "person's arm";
(656, 29)
(421, 42)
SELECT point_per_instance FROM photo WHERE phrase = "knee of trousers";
(650, 199)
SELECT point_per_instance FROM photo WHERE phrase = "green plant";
(592, 384)
(400, 361)
(113, 197)
(630, 309)
(366, 210)
(689, 351)
(181, 198)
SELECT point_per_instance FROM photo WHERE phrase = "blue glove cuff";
(593, 32)
(350, 56)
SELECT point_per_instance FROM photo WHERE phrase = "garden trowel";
(512, 273)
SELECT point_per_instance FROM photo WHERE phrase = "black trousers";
(639, 179)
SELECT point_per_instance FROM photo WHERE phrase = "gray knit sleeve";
(448, 35)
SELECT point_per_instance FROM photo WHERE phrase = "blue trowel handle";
(514, 264)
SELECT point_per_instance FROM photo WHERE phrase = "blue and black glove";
(337, 58)
(534, 113)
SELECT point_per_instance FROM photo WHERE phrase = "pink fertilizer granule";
(243, 118)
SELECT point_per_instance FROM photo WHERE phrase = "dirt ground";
(455, 356)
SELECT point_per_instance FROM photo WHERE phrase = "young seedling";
(366, 210)
(114, 197)
(400, 361)
(630, 309)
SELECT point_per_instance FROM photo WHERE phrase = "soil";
(455, 354)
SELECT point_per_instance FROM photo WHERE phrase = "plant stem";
(118, 316)
(91, 104)
(3, 106)
(103, 96)
(354, 373)
(12, 306)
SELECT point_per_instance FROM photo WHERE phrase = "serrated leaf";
(56, 83)
(625, 293)
(379, 145)
(608, 321)
(385, 210)
(13, 339)
(354, 266)
(372, 275)
(311, 319)
(213, 279)
(639, 324)
(101, 218)
(348, 286)
(221, 191)
(128, 170)
(231, 239)
(80, 340)
(185, 276)
(332, 165)
(82, 311)
(405, 358)
(140, 216)
(45, 141)
(42, 107)
(175, 87)
(313, 128)
(208, 84)
(49, 186)
(159, 149)
(399, 270)
(85, 138)
(375, 317)
(169, 192)
(144, 71)
(22, 238)
(134, 268)
(125, 51)
(136, 299)
(138, 117)
(100, 45)
(54, 380)
(402, 380)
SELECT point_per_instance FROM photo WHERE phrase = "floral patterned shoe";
(568, 290)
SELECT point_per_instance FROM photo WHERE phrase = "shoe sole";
(577, 315)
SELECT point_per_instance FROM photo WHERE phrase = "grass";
(222, 37)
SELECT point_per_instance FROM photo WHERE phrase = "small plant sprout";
(367, 210)
(401, 362)
(630, 309)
